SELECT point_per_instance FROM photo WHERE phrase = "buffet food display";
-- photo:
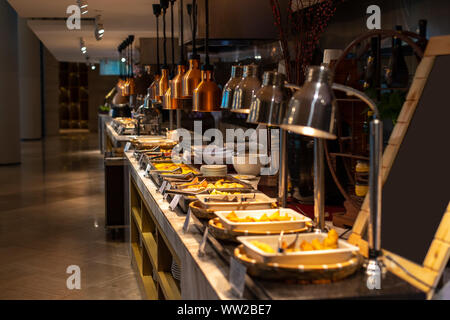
(234, 211)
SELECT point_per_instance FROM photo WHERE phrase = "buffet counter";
(158, 242)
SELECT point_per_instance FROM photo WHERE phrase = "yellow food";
(264, 218)
(222, 193)
(330, 242)
(172, 166)
(263, 246)
(220, 184)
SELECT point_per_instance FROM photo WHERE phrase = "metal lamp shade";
(154, 89)
(176, 86)
(191, 79)
(270, 102)
(170, 103)
(228, 90)
(207, 95)
(163, 83)
(167, 100)
(245, 90)
(311, 111)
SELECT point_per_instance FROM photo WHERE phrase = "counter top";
(207, 277)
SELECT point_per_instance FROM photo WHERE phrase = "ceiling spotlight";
(83, 6)
(99, 29)
(83, 46)
(93, 67)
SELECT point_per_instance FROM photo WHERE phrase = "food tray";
(304, 274)
(254, 201)
(150, 144)
(219, 232)
(158, 178)
(186, 200)
(214, 179)
(344, 252)
(276, 226)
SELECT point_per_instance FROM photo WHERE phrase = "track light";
(99, 29)
(83, 5)
(83, 46)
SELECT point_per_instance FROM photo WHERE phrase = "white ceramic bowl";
(247, 164)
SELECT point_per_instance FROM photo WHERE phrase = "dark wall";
(51, 93)
(350, 19)
(99, 86)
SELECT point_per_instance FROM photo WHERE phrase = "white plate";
(272, 226)
(343, 253)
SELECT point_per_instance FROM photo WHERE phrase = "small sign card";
(140, 160)
(163, 187)
(201, 249)
(147, 170)
(127, 147)
(173, 204)
(187, 221)
(168, 186)
(237, 277)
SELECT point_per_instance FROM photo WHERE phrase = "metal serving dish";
(153, 158)
(213, 180)
(187, 198)
(248, 201)
(343, 253)
(158, 177)
(151, 143)
(298, 220)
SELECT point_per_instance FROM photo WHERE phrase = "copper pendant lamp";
(164, 80)
(169, 103)
(131, 83)
(193, 76)
(154, 86)
(176, 86)
(207, 96)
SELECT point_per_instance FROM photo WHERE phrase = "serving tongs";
(138, 153)
(155, 149)
(186, 193)
(226, 198)
(292, 245)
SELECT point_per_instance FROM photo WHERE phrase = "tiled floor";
(52, 216)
